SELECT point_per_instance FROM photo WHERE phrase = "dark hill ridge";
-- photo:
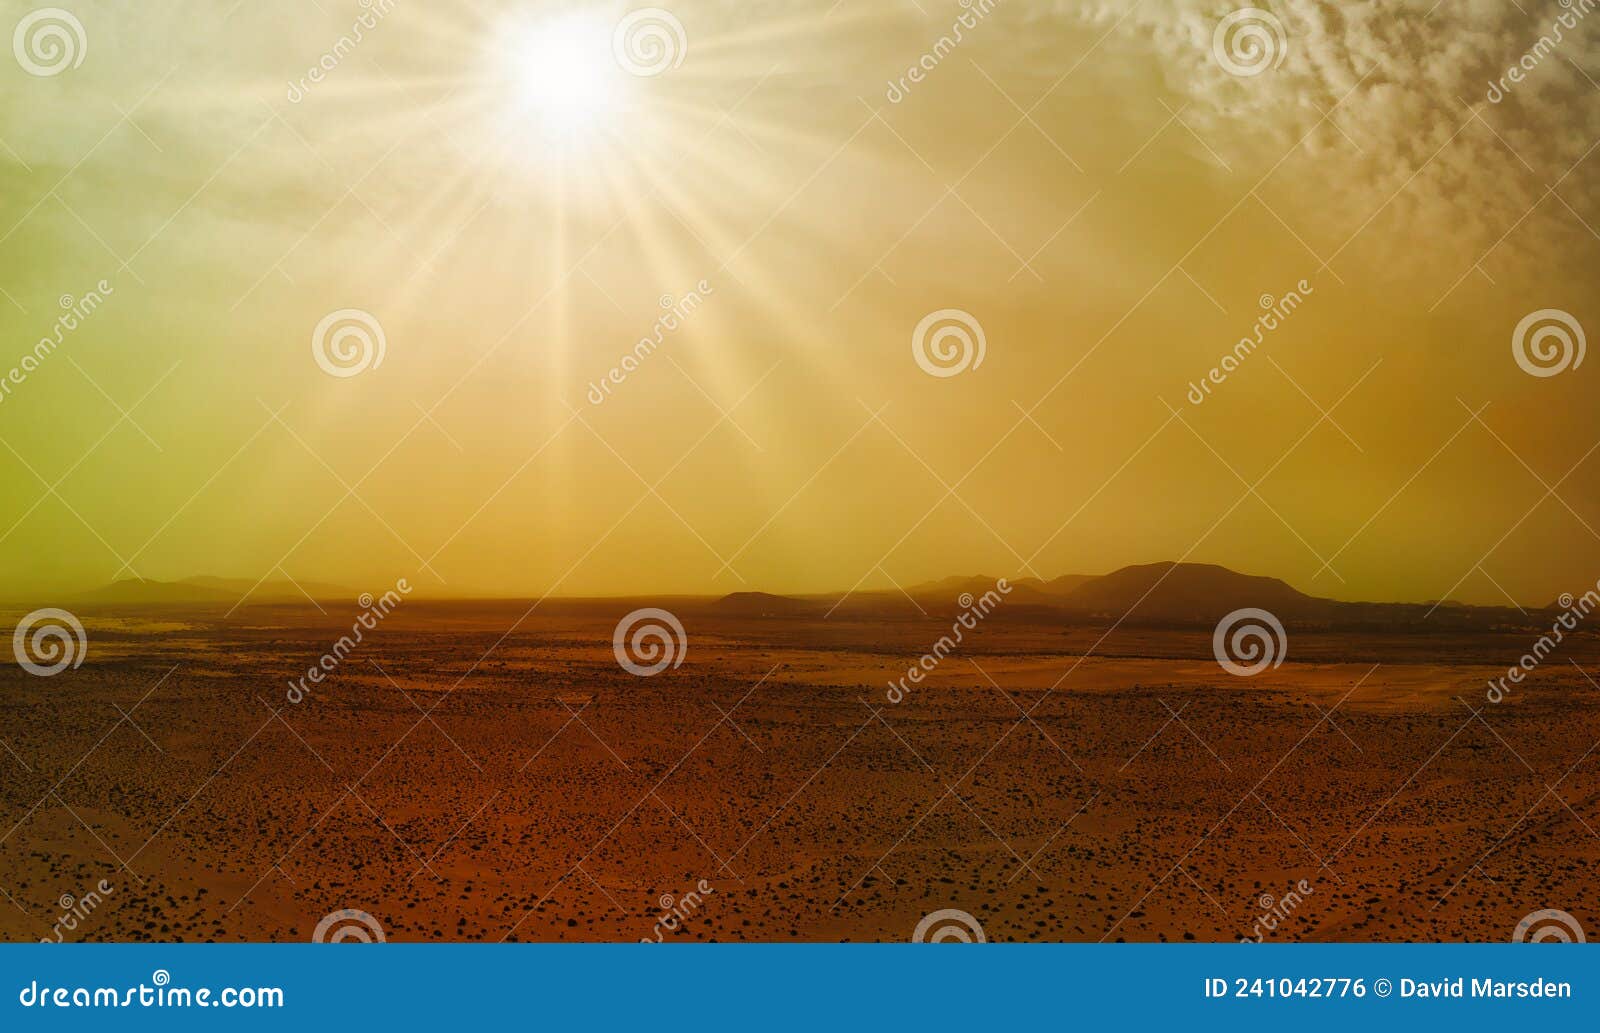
(764, 604)
(1147, 593)
(1186, 591)
(1189, 594)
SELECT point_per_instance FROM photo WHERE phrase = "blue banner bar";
(746, 987)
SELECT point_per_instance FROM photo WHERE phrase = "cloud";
(1394, 97)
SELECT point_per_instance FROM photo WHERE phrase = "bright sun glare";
(562, 74)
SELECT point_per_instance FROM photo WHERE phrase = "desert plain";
(1057, 781)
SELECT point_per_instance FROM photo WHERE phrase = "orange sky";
(1090, 183)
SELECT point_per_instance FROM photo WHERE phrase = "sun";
(560, 74)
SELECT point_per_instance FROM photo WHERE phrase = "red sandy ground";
(552, 796)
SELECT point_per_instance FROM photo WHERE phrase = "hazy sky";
(1103, 187)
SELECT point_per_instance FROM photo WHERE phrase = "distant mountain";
(1186, 591)
(139, 592)
(209, 591)
(236, 586)
(952, 586)
(1065, 584)
(1154, 592)
(763, 604)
